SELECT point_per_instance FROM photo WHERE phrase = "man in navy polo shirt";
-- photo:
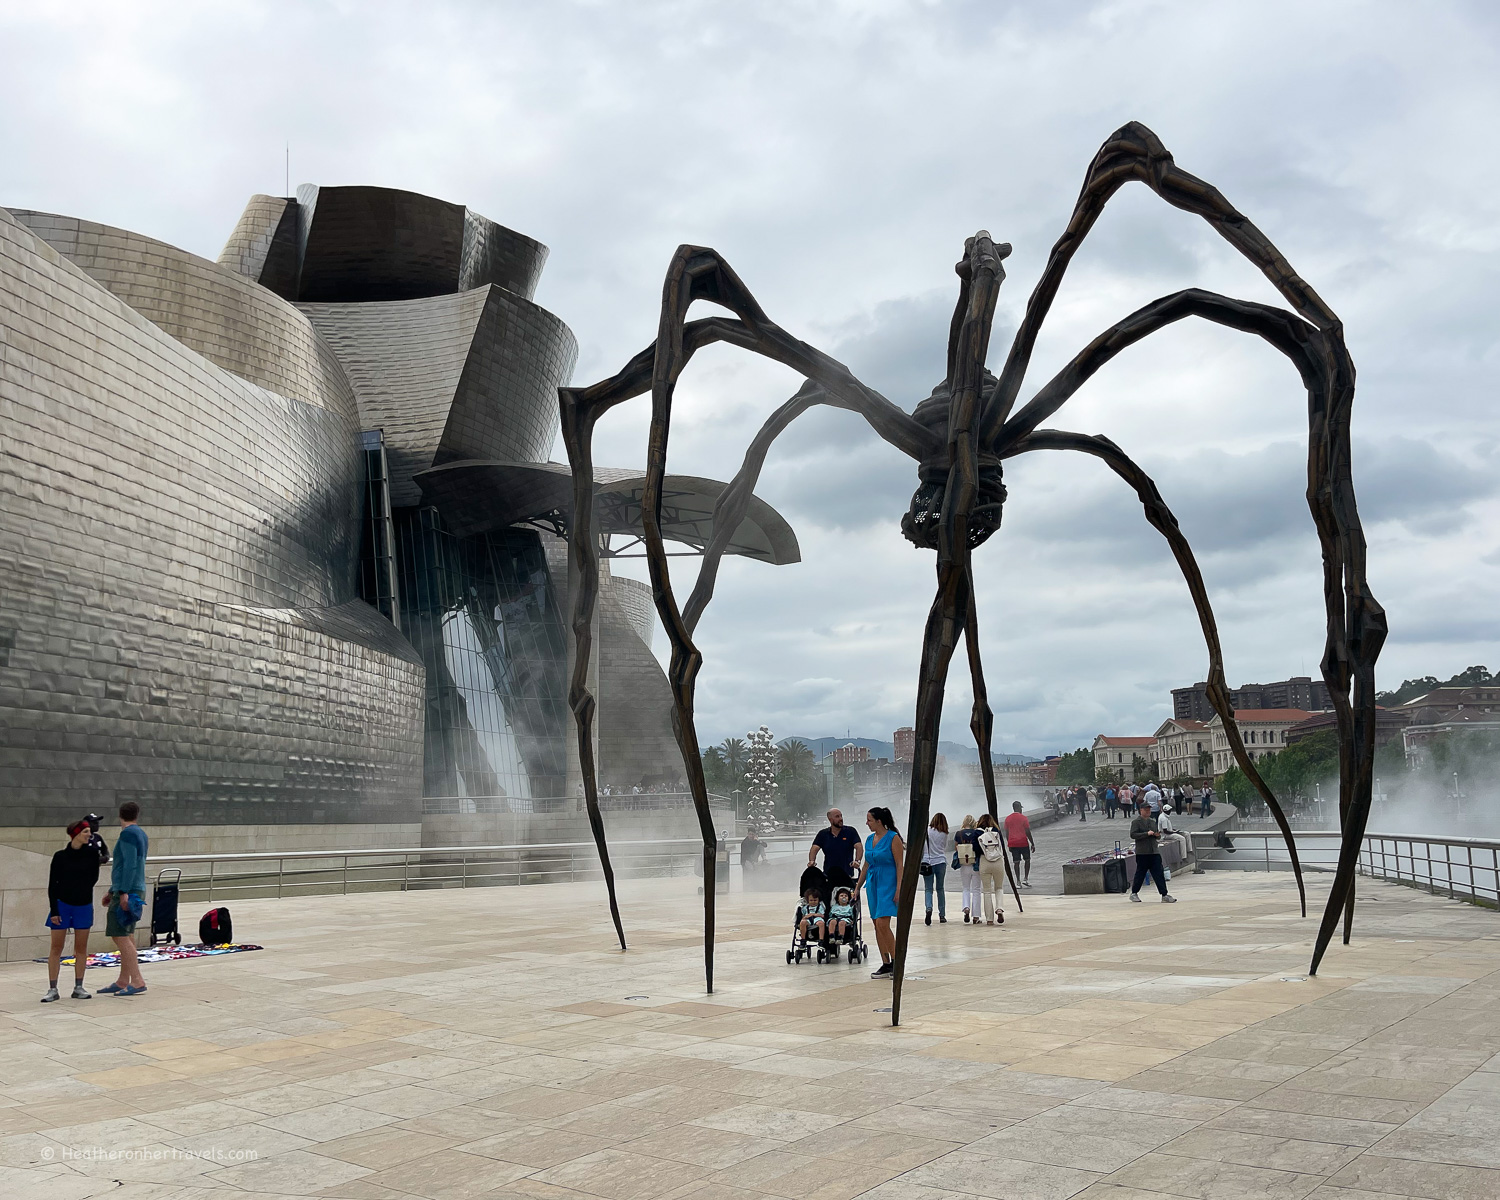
(842, 850)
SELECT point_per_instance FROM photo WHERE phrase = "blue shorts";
(73, 916)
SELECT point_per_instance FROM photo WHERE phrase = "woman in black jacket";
(70, 892)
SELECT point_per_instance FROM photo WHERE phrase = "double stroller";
(828, 949)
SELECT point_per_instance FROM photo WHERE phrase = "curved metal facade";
(178, 553)
(223, 593)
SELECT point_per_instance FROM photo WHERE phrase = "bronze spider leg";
(1164, 522)
(982, 724)
(1356, 625)
(700, 274)
(980, 275)
(1299, 342)
(580, 409)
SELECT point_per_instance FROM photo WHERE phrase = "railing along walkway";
(1467, 868)
(421, 868)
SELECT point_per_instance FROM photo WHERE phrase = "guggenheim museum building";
(280, 540)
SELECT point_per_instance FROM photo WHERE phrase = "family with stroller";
(830, 909)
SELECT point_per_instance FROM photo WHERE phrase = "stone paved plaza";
(489, 1043)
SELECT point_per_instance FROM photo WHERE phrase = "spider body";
(959, 436)
(923, 516)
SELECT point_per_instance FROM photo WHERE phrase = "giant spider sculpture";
(959, 437)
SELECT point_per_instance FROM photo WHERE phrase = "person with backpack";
(991, 845)
(70, 895)
(966, 863)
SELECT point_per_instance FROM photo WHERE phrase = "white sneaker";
(51, 996)
(1135, 897)
(1169, 899)
(80, 994)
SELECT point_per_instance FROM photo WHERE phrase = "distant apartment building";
(1264, 731)
(1119, 754)
(847, 756)
(1180, 743)
(1443, 712)
(906, 744)
(1389, 724)
(1044, 773)
(1301, 691)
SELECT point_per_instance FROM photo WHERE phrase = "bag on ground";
(215, 928)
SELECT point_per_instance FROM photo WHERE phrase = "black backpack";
(215, 928)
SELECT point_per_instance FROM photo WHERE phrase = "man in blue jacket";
(127, 899)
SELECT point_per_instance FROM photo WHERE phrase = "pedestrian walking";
(966, 863)
(992, 869)
(935, 866)
(1147, 854)
(70, 897)
(1083, 802)
(1020, 841)
(1207, 800)
(127, 899)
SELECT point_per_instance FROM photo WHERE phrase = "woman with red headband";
(70, 891)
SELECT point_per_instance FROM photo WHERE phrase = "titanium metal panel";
(263, 246)
(207, 307)
(177, 570)
(472, 375)
(379, 244)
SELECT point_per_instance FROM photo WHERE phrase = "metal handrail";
(409, 868)
(1398, 857)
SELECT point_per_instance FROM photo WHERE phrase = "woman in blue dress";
(879, 873)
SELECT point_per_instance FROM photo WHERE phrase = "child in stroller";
(820, 928)
(811, 925)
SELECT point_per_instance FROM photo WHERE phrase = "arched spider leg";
(695, 274)
(1299, 341)
(980, 273)
(580, 409)
(1356, 622)
(1165, 523)
(1307, 347)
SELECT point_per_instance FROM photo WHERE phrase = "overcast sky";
(837, 154)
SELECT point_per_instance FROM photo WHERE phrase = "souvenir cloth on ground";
(153, 954)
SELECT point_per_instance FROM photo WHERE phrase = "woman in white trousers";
(992, 877)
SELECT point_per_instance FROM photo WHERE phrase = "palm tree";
(735, 756)
(796, 760)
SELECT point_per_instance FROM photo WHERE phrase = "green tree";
(1205, 762)
(1077, 767)
(1410, 689)
(716, 773)
(736, 756)
(1390, 763)
(796, 760)
(1237, 789)
(803, 791)
(1294, 773)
